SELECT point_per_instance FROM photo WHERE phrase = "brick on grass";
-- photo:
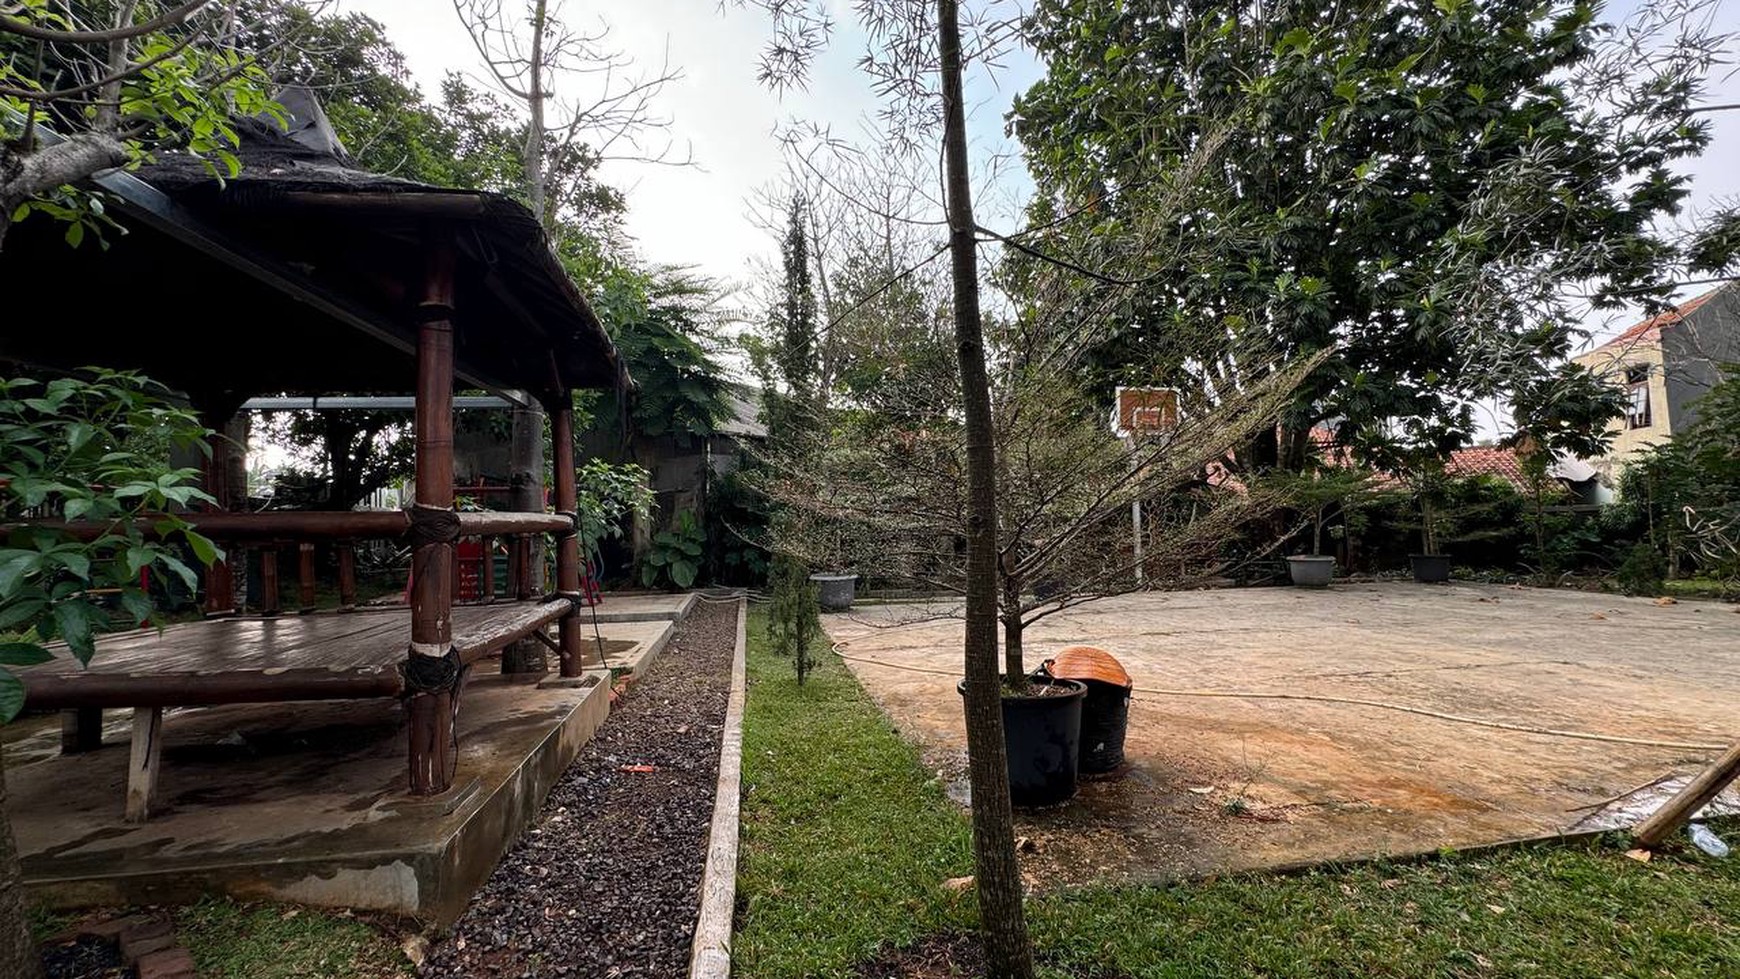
(168, 963)
(152, 937)
(109, 929)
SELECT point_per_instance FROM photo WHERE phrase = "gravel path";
(606, 884)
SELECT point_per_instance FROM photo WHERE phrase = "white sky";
(700, 215)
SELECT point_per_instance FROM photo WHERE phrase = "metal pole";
(1136, 512)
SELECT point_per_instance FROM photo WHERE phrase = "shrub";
(1642, 571)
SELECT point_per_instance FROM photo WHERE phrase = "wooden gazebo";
(304, 276)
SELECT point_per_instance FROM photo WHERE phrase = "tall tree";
(582, 101)
(1422, 184)
(917, 57)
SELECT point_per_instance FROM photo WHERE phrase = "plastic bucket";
(1105, 717)
(1043, 738)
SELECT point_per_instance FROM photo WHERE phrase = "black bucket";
(1105, 716)
(1043, 738)
(1430, 568)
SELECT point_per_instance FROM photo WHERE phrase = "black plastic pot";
(1430, 568)
(1105, 716)
(1043, 738)
(834, 592)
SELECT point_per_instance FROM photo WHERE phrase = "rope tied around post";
(573, 524)
(431, 672)
(432, 525)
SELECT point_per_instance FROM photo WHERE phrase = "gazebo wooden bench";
(302, 276)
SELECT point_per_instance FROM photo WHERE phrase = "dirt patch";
(606, 883)
(83, 958)
(952, 955)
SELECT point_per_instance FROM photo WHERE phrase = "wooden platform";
(322, 656)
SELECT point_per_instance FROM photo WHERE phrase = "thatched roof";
(301, 275)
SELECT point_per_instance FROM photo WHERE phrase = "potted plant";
(1416, 451)
(1317, 491)
(837, 588)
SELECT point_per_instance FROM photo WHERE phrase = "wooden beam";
(1697, 794)
(281, 525)
(144, 760)
(88, 690)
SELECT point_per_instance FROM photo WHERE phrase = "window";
(1637, 397)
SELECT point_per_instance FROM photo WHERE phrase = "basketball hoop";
(1139, 414)
(1145, 412)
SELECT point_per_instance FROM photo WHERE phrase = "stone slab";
(644, 607)
(304, 803)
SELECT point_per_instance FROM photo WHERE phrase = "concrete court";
(1226, 783)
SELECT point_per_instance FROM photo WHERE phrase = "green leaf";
(15, 565)
(75, 561)
(11, 696)
(684, 572)
(203, 549)
(185, 573)
(73, 621)
(23, 654)
(137, 604)
(23, 612)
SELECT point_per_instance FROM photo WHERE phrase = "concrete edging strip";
(710, 955)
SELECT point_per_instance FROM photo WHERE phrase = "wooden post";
(220, 578)
(431, 709)
(486, 574)
(145, 758)
(346, 576)
(525, 587)
(1667, 820)
(526, 480)
(568, 541)
(81, 730)
(305, 575)
(269, 581)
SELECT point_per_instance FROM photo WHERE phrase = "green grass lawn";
(232, 940)
(847, 840)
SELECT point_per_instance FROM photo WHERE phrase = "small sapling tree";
(793, 622)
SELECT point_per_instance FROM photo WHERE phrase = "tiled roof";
(1488, 460)
(1649, 330)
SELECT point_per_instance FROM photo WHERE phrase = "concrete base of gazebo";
(303, 802)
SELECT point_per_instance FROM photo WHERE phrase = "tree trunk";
(1002, 922)
(18, 958)
(532, 160)
(1014, 666)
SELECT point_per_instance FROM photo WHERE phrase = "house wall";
(1694, 350)
(1612, 363)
